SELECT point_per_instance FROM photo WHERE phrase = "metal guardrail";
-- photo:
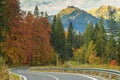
(91, 71)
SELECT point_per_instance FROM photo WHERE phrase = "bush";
(113, 63)
(4, 74)
(93, 59)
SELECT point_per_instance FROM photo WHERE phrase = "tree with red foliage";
(29, 42)
(28, 39)
(41, 38)
(113, 63)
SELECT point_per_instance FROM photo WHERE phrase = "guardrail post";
(118, 77)
(83, 72)
(100, 74)
(110, 76)
(91, 72)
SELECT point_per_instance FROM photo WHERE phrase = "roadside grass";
(73, 64)
(4, 74)
(14, 77)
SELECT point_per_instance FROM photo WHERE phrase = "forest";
(30, 39)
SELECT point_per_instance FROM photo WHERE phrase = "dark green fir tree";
(70, 40)
(36, 12)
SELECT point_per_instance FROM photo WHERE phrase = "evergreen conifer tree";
(36, 12)
(70, 40)
(4, 26)
(101, 39)
(88, 34)
(113, 28)
(111, 49)
(53, 30)
(58, 38)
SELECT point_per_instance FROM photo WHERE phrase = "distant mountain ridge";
(104, 11)
(81, 18)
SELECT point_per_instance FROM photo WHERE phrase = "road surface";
(50, 75)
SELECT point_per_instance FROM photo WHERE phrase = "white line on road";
(24, 78)
(75, 74)
(86, 76)
(47, 75)
(52, 76)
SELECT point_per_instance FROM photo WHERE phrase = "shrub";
(4, 74)
(113, 63)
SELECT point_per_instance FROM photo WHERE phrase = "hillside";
(79, 18)
(104, 11)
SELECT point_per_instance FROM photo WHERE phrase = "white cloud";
(54, 6)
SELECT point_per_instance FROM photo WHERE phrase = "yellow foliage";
(93, 59)
(13, 55)
(79, 54)
(90, 50)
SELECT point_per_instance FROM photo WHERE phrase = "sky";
(54, 6)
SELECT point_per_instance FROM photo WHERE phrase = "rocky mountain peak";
(68, 10)
(108, 8)
(104, 11)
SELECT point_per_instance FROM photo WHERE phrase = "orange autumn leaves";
(25, 39)
(28, 41)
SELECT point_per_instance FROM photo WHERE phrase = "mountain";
(79, 18)
(104, 11)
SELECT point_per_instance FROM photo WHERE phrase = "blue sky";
(54, 6)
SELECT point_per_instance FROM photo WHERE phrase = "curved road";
(51, 75)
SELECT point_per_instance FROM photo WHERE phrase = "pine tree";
(77, 40)
(4, 26)
(118, 44)
(58, 38)
(118, 49)
(88, 34)
(46, 14)
(70, 40)
(42, 14)
(53, 30)
(111, 50)
(101, 39)
(113, 28)
(96, 32)
(2, 18)
(36, 12)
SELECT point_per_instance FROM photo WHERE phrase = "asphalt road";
(50, 75)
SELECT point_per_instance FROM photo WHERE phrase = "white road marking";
(24, 78)
(76, 74)
(46, 75)
(52, 76)
(86, 76)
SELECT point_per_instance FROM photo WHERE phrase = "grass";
(73, 64)
(14, 77)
